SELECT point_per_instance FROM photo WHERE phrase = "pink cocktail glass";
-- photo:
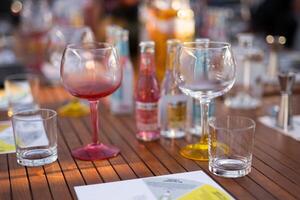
(91, 71)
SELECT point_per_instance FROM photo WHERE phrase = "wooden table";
(275, 172)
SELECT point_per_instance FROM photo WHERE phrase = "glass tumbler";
(22, 92)
(35, 133)
(230, 146)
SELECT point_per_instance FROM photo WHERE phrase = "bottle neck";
(147, 63)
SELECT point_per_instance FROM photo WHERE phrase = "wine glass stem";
(204, 121)
(94, 118)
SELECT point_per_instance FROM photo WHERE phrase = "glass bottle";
(36, 20)
(173, 103)
(248, 88)
(168, 19)
(147, 95)
(121, 101)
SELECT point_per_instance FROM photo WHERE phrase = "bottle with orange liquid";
(168, 19)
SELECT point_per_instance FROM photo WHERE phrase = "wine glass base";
(75, 108)
(92, 152)
(198, 151)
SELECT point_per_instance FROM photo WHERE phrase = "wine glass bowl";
(204, 70)
(58, 38)
(91, 71)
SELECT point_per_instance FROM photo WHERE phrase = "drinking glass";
(22, 92)
(204, 70)
(59, 37)
(230, 146)
(35, 133)
(91, 71)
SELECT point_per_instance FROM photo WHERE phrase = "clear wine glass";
(58, 38)
(204, 70)
(91, 71)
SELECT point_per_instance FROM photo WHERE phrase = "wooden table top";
(275, 170)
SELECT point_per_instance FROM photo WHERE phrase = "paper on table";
(294, 133)
(183, 186)
(7, 143)
(36, 136)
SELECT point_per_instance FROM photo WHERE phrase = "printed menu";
(183, 186)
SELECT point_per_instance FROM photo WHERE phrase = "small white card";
(183, 186)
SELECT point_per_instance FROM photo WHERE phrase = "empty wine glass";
(204, 70)
(91, 71)
(58, 38)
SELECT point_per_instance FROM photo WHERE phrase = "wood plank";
(70, 171)
(139, 147)
(279, 141)
(57, 182)
(118, 163)
(277, 178)
(55, 177)
(278, 156)
(87, 169)
(276, 165)
(68, 166)
(269, 185)
(5, 190)
(38, 183)
(156, 150)
(135, 163)
(18, 179)
(103, 167)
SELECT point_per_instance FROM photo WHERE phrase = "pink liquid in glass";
(93, 91)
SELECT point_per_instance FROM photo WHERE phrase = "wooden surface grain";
(275, 169)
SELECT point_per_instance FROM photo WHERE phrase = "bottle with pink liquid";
(147, 95)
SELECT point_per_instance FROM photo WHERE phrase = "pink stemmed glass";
(91, 71)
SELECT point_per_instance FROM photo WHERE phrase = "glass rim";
(32, 111)
(81, 46)
(193, 45)
(20, 76)
(247, 127)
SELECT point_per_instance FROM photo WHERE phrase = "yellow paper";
(6, 138)
(206, 192)
(4, 147)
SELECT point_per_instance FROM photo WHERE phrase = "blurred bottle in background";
(147, 95)
(77, 13)
(121, 101)
(248, 89)
(172, 103)
(166, 20)
(36, 20)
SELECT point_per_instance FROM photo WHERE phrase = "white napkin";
(271, 122)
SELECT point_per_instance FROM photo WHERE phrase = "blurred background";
(273, 26)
